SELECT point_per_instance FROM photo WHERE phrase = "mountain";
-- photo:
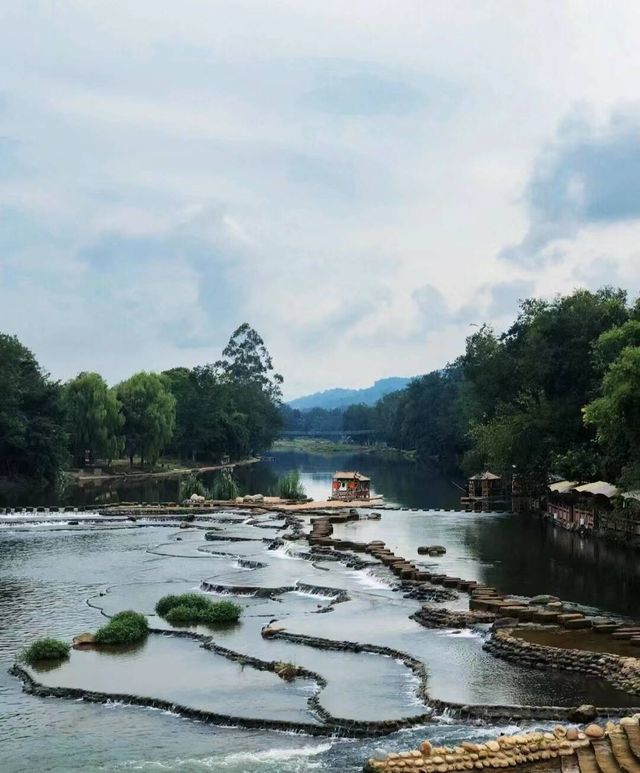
(341, 398)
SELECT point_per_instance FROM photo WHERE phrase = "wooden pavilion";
(350, 485)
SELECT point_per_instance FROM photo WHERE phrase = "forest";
(557, 393)
(229, 408)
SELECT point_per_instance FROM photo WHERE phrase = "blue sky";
(360, 181)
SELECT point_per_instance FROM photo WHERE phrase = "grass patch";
(192, 608)
(224, 487)
(289, 486)
(45, 649)
(124, 628)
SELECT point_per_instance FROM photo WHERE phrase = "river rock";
(83, 641)
(426, 748)
(584, 713)
(594, 731)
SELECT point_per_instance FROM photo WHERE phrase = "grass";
(224, 487)
(289, 486)
(192, 484)
(45, 649)
(127, 627)
(325, 447)
(193, 608)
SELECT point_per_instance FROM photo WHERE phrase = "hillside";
(341, 398)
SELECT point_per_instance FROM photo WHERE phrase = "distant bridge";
(331, 433)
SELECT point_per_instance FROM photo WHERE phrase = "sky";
(361, 181)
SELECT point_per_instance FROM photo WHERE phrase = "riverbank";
(324, 447)
(166, 469)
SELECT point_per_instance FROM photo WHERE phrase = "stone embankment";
(610, 749)
(621, 672)
(438, 617)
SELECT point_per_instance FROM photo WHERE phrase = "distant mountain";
(341, 398)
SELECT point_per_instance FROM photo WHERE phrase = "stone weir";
(614, 748)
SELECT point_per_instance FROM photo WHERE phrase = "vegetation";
(289, 486)
(224, 487)
(127, 627)
(193, 608)
(45, 649)
(94, 418)
(33, 440)
(223, 410)
(192, 484)
(559, 391)
(149, 415)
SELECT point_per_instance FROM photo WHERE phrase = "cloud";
(590, 175)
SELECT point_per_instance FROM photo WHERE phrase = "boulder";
(594, 731)
(253, 498)
(584, 713)
(426, 748)
(83, 641)
(196, 499)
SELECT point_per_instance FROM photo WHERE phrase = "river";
(55, 579)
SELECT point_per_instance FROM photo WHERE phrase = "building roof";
(350, 476)
(563, 486)
(485, 476)
(600, 487)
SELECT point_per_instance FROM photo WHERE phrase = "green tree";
(256, 390)
(32, 436)
(149, 415)
(616, 413)
(94, 418)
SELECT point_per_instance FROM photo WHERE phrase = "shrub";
(191, 608)
(124, 628)
(46, 649)
(289, 486)
(224, 487)
(192, 484)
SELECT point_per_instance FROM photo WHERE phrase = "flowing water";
(60, 580)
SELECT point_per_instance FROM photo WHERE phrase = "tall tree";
(94, 418)
(32, 436)
(149, 415)
(246, 367)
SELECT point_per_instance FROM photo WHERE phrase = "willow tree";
(94, 418)
(149, 414)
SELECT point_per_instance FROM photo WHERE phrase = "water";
(57, 580)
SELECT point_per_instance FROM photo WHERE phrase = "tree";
(149, 415)
(616, 413)
(32, 436)
(245, 360)
(94, 418)
(247, 368)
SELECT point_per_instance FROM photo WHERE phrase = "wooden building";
(485, 485)
(579, 506)
(350, 485)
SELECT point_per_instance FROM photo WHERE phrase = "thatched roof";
(485, 476)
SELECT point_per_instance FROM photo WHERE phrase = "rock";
(493, 746)
(583, 714)
(560, 731)
(426, 748)
(83, 641)
(253, 498)
(543, 598)
(594, 731)
(437, 550)
(196, 498)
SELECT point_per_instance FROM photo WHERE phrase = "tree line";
(558, 392)
(229, 408)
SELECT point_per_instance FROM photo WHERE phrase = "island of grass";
(194, 608)
(45, 650)
(127, 627)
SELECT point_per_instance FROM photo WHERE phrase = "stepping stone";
(569, 764)
(562, 619)
(606, 627)
(542, 616)
(604, 757)
(635, 641)
(623, 754)
(633, 736)
(583, 622)
(451, 582)
(587, 760)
